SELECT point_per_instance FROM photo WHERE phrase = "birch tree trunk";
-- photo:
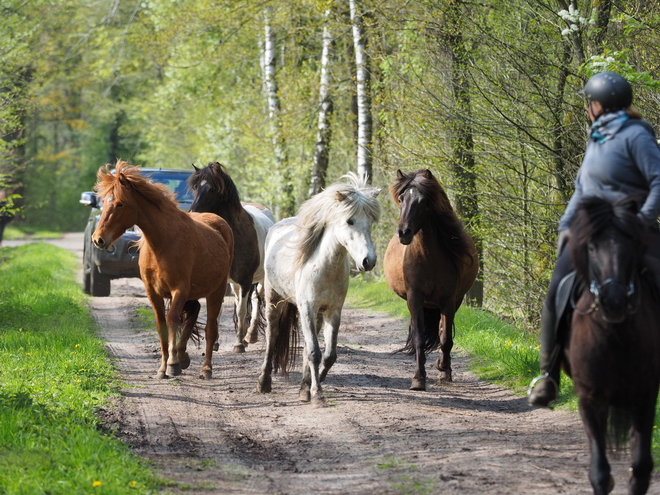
(324, 132)
(287, 201)
(365, 126)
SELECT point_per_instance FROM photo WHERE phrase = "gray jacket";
(626, 164)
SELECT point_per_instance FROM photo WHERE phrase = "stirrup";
(530, 389)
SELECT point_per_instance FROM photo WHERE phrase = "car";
(100, 266)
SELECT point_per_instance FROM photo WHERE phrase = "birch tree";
(287, 202)
(363, 80)
(326, 104)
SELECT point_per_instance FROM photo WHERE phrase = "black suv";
(121, 260)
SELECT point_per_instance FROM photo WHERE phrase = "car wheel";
(87, 283)
(99, 283)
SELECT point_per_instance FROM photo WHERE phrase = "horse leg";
(240, 295)
(158, 305)
(273, 310)
(446, 344)
(213, 310)
(189, 321)
(257, 296)
(313, 355)
(173, 320)
(416, 331)
(594, 417)
(330, 331)
(640, 448)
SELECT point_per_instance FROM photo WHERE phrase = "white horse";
(307, 268)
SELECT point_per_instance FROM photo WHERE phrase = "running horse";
(431, 262)
(613, 351)
(215, 192)
(307, 268)
(183, 257)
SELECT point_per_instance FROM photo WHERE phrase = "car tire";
(99, 284)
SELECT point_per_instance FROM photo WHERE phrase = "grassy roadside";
(54, 374)
(12, 232)
(499, 352)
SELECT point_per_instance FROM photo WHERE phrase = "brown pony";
(431, 263)
(613, 353)
(183, 257)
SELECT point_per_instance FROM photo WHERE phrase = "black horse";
(613, 353)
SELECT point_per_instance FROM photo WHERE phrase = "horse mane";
(336, 203)
(444, 219)
(594, 215)
(219, 180)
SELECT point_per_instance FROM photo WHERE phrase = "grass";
(13, 232)
(499, 352)
(54, 376)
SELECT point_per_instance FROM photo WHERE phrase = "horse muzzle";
(405, 236)
(101, 243)
(614, 299)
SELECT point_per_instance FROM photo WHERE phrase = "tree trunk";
(463, 162)
(287, 202)
(365, 128)
(324, 133)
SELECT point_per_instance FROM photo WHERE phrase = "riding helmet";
(609, 89)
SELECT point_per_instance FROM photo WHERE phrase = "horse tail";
(285, 348)
(619, 422)
(189, 319)
(430, 334)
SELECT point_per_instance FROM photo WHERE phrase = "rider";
(622, 159)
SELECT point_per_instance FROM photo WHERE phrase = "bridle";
(596, 288)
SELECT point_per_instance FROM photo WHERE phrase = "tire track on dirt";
(220, 436)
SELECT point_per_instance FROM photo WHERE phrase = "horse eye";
(119, 205)
(351, 221)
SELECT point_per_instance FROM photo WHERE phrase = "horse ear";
(399, 174)
(193, 166)
(427, 173)
(375, 191)
(340, 197)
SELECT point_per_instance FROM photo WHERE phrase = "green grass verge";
(13, 232)
(499, 352)
(54, 375)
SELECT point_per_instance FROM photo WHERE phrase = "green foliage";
(55, 376)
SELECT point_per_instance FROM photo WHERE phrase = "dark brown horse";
(613, 353)
(183, 257)
(431, 262)
(215, 192)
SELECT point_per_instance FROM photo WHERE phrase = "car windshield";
(176, 182)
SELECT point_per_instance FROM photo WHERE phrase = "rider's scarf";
(607, 126)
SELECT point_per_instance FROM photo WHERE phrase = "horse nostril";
(368, 263)
(404, 233)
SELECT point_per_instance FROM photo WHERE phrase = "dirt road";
(376, 436)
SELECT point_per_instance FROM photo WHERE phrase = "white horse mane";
(336, 203)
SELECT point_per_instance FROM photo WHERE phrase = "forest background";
(291, 95)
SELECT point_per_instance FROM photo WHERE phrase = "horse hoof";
(239, 348)
(161, 375)
(610, 485)
(418, 384)
(319, 401)
(173, 369)
(216, 346)
(304, 395)
(205, 374)
(264, 385)
(323, 374)
(184, 361)
(252, 338)
(445, 376)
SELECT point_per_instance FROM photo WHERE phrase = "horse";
(431, 262)
(215, 192)
(183, 257)
(307, 269)
(612, 352)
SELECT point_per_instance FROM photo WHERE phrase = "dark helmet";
(609, 89)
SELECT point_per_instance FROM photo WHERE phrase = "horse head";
(214, 190)
(118, 212)
(417, 194)
(607, 243)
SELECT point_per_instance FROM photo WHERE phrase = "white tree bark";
(287, 203)
(324, 131)
(363, 77)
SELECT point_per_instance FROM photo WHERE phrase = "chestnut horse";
(431, 263)
(613, 352)
(307, 268)
(183, 257)
(215, 192)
